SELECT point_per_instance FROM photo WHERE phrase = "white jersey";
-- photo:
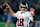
(23, 19)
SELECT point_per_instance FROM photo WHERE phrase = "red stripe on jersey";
(27, 23)
(18, 22)
(23, 23)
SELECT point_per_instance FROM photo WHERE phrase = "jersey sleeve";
(15, 14)
(30, 17)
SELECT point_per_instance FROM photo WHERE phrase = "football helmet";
(23, 5)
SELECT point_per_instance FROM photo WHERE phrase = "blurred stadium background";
(14, 5)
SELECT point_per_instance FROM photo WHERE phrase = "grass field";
(3, 25)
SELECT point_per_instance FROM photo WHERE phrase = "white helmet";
(23, 4)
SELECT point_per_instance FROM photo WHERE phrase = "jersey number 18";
(21, 22)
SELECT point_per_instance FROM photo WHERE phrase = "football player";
(9, 21)
(23, 15)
